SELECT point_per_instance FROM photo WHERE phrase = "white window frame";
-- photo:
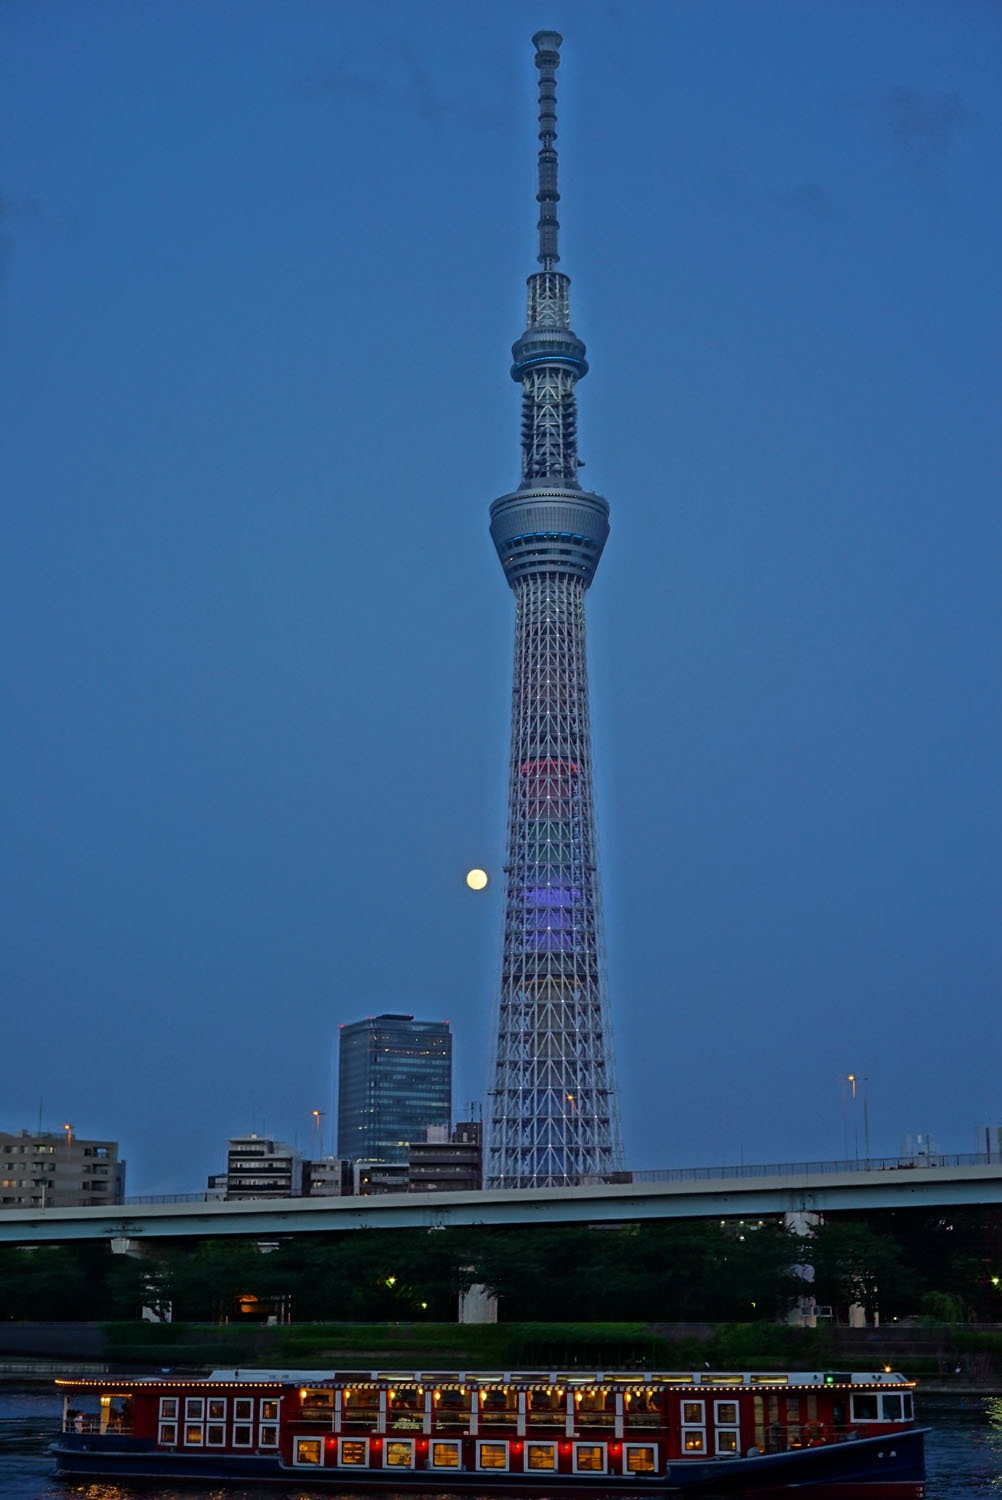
(492, 1468)
(391, 1440)
(267, 1435)
(239, 1401)
(446, 1443)
(532, 1443)
(250, 1434)
(867, 1396)
(631, 1447)
(340, 1452)
(163, 1429)
(215, 1442)
(728, 1428)
(307, 1463)
(168, 1409)
(194, 1408)
(194, 1442)
(688, 1432)
(603, 1451)
(220, 1416)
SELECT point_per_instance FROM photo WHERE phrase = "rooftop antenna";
(547, 45)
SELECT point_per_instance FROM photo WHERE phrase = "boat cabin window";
(692, 1413)
(492, 1455)
(243, 1409)
(589, 1458)
(406, 1399)
(168, 1408)
(269, 1411)
(167, 1434)
(216, 1409)
(243, 1434)
(891, 1406)
(541, 1455)
(317, 1399)
(308, 1451)
(864, 1407)
(399, 1453)
(354, 1452)
(267, 1435)
(445, 1455)
(639, 1459)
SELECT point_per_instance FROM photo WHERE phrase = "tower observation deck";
(553, 1116)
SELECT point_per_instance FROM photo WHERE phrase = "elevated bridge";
(686, 1193)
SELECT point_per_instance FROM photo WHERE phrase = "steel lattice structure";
(553, 1116)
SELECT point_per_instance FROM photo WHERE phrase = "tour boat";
(832, 1435)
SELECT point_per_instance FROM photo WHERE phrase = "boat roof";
(715, 1379)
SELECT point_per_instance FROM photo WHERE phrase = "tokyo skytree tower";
(552, 1117)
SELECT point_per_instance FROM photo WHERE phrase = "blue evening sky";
(262, 263)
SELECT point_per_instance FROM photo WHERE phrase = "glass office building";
(394, 1080)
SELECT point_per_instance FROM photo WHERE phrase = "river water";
(963, 1454)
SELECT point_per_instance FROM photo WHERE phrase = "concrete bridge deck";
(751, 1192)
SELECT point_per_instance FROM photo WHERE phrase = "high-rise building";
(394, 1080)
(59, 1170)
(553, 1115)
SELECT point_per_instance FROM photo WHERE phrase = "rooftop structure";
(552, 1116)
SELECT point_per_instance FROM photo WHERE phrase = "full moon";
(476, 879)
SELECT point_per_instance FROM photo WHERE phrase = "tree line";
(906, 1263)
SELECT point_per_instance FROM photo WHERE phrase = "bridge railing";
(902, 1163)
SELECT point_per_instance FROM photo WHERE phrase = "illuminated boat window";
(308, 1451)
(589, 1458)
(269, 1411)
(693, 1413)
(445, 1455)
(725, 1413)
(540, 1455)
(168, 1434)
(693, 1440)
(193, 1434)
(168, 1408)
(727, 1440)
(354, 1453)
(492, 1455)
(639, 1459)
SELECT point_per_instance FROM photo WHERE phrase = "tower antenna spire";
(547, 45)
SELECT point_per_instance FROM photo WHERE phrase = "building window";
(639, 1459)
(589, 1458)
(308, 1451)
(445, 1455)
(354, 1452)
(492, 1455)
(399, 1453)
(541, 1455)
(168, 1433)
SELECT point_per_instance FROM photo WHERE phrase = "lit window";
(168, 1433)
(168, 1408)
(445, 1455)
(493, 1456)
(727, 1413)
(639, 1460)
(309, 1451)
(541, 1456)
(692, 1441)
(727, 1441)
(193, 1434)
(399, 1455)
(269, 1411)
(692, 1412)
(589, 1458)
